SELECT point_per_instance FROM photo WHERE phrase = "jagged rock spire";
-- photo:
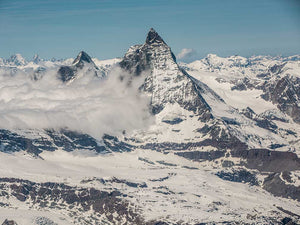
(82, 57)
(153, 37)
(36, 59)
(17, 59)
(165, 81)
(67, 73)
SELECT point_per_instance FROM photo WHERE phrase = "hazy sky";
(107, 28)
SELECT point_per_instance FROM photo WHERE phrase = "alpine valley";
(144, 139)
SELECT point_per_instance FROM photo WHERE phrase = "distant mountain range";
(222, 147)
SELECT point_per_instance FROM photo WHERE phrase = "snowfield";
(177, 189)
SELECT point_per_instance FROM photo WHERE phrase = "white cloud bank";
(88, 104)
(186, 54)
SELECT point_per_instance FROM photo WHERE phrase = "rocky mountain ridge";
(82, 61)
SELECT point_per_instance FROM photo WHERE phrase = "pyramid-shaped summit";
(82, 57)
(17, 60)
(36, 59)
(165, 81)
(68, 73)
(139, 58)
(153, 37)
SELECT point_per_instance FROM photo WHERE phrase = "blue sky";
(107, 28)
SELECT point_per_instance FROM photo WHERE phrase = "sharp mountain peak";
(153, 37)
(82, 57)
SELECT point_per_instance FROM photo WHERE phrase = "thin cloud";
(186, 54)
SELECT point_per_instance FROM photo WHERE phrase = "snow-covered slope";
(265, 85)
(277, 77)
(158, 187)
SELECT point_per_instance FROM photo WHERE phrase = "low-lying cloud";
(88, 104)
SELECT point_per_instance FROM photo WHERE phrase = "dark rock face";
(161, 223)
(261, 121)
(220, 137)
(242, 176)
(288, 221)
(277, 69)
(227, 163)
(121, 181)
(287, 176)
(278, 187)
(222, 145)
(285, 93)
(9, 222)
(137, 59)
(105, 206)
(136, 62)
(197, 155)
(12, 142)
(65, 139)
(82, 58)
(68, 73)
(165, 163)
(173, 121)
(44, 221)
(271, 115)
(73, 199)
(242, 84)
(115, 145)
(153, 37)
(70, 140)
(269, 161)
(36, 59)
(16, 60)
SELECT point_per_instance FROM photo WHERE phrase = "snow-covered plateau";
(144, 139)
